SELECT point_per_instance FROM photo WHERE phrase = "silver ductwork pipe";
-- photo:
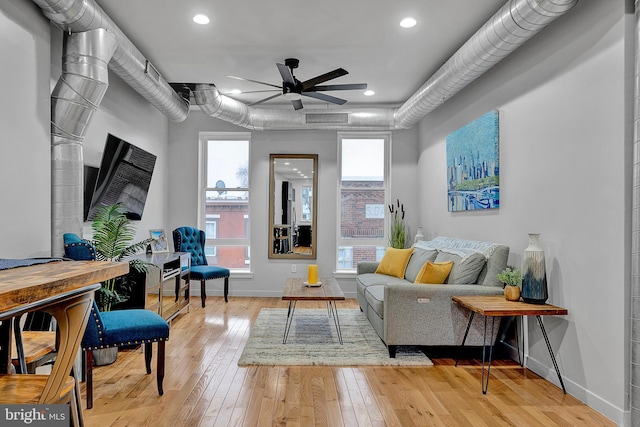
(74, 100)
(128, 63)
(515, 23)
(634, 393)
(214, 104)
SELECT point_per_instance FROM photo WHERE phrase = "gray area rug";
(313, 340)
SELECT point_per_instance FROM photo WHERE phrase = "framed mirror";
(293, 185)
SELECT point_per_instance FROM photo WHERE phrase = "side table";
(497, 306)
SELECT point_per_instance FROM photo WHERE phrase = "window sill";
(345, 274)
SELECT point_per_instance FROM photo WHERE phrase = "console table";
(165, 287)
(497, 306)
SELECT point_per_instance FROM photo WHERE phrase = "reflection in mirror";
(293, 187)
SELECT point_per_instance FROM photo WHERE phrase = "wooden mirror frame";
(278, 231)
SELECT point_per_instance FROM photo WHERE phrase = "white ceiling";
(247, 37)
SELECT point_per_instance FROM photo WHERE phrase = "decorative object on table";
(534, 274)
(419, 235)
(312, 275)
(159, 241)
(473, 165)
(192, 240)
(512, 280)
(113, 234)
(399, 232)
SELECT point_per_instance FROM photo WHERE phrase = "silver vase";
(534, 274)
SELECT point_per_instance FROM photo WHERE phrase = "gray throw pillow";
(419, 257)
(466, 265)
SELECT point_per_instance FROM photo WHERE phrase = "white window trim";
(203, 138)
(387, 194)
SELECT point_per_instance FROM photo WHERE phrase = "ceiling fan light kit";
(293, 89)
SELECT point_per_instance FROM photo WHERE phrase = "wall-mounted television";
(124, 177)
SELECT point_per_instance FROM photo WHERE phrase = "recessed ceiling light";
(408, 22)
(201, 19)
(369, 92)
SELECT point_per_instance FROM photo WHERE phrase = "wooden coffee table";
(497, 306)
(295, 290)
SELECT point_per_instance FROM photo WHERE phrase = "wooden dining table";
(64, 289)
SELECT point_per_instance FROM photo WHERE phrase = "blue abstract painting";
(473, 165)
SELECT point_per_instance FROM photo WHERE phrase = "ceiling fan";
(293, 88)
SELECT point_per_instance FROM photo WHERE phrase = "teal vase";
(534, 274)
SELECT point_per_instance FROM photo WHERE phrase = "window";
(363, 171)
(224, 198)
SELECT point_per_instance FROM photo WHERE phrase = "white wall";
(25, 146)
(565, 173)
(269, 274)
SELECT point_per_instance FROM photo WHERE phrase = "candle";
(312, 273)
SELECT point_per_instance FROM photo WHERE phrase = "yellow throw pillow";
(434, 273)
(394, 262)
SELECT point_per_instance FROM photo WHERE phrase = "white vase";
(534, 274)
(419, 235)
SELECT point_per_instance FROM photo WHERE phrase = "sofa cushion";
(394, 262)
(375, 298)
(418, 259)
(466, 265)
(434, 273)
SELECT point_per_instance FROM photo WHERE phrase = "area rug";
(313, 340)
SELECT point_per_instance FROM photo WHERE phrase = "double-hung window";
(364, 161)
(223, 211)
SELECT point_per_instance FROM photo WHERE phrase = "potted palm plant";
(113, 235)
(512, 279)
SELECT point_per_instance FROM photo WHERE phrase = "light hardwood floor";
(205, 387)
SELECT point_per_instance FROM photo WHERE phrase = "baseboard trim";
(614, 413)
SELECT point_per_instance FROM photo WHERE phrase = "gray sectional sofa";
(405, 313)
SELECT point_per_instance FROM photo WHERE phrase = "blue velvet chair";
(192, 240)
(117, 328)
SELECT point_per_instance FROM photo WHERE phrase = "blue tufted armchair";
(189, 239)
(117, 328)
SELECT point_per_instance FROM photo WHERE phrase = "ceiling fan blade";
(287, 75)
(324, 97)
(266, 99)
(354, 86)
(324, 77)
(254, 81)
(297, 104)
(249, 91)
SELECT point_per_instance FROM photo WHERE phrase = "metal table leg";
(465, 334)
(287, 326)
(485, 384)
(553, 358)
(334, 313)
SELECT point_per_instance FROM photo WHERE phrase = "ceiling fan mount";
(292, 63)
(293, 89)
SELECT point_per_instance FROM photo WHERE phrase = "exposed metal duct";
(515, 23)
(127, 62)
(74, 100)
(634, 343)
(214, 104)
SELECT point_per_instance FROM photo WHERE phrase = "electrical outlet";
(423, 300)
(293, 268)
